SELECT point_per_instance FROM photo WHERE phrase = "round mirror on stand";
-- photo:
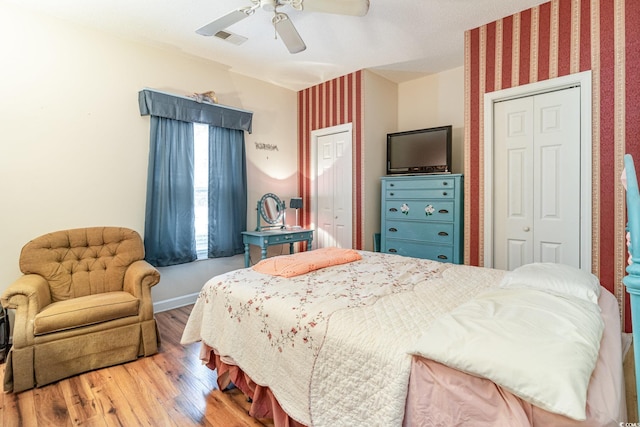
(270, 210)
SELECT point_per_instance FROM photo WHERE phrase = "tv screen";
(419, 151)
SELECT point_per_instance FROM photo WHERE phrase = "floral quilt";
(323, 341)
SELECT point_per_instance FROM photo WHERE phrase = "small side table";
(267, 238)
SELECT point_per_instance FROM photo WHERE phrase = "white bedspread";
(334, 346)
(316, 339)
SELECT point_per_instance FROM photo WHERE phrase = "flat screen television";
(419, 151)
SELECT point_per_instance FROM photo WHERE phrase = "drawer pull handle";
(393, 251)
(443, 233)
(442, 257)
(444, 193)
(391, 184)
(391, 194)
(393, 210)
(443, 211)
(445, 183)
(393, 230)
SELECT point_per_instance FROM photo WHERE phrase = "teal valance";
(160, 104)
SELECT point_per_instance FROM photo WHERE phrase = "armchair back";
(83, 261)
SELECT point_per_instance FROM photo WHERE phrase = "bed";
(632, 280)
(336, 337)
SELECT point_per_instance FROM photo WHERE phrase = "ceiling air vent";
(230, 37)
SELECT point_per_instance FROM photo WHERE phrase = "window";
(201, 187)
(196, 203)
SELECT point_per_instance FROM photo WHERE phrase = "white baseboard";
(171, 303)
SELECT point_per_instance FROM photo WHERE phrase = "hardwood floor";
(171, 388)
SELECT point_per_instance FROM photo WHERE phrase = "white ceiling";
(399, 39)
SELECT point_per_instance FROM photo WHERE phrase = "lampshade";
(295, 203)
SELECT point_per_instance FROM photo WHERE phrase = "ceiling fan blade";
(288, 33)
(340, 7)
(225, 21)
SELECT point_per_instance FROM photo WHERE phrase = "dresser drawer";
(441, 253)
(418, 210)
(403, 194)
(418, 184)
(278, 238)
(426, 232)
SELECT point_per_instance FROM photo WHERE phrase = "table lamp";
(296, 203)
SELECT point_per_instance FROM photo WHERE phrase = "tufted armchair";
(83, 303)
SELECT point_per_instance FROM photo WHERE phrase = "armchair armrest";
(28, 296)
(138, 280)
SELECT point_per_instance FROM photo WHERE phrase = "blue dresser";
(422, 217)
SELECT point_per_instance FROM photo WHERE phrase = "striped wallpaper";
(555, 39)
(336, 102)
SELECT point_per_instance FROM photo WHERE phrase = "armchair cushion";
(84, 311)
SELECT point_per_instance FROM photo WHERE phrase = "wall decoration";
(265, 146)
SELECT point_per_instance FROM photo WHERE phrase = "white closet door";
(537, 179)
(334, 192)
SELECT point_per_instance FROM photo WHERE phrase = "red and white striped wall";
(332, 103)
(555, 39)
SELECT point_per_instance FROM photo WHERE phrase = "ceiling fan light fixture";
(269, 5)
(288, 33)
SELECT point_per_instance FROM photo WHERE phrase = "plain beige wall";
(435, 100)
(380, 118)
(74, 148)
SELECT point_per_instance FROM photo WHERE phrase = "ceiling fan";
(283, 25)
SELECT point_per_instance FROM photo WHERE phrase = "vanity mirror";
(271, 210)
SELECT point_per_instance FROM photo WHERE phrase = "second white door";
(537, 180)
(334, 192)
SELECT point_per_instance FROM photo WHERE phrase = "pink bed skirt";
(436, 394)
(263, 402)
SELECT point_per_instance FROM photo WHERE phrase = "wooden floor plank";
(80, 400)
(51, 406)
(19, 410)
(171, 388)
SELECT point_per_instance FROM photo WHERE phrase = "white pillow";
(558, 278)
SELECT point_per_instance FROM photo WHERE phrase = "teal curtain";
(169, 233)
(227, 192)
